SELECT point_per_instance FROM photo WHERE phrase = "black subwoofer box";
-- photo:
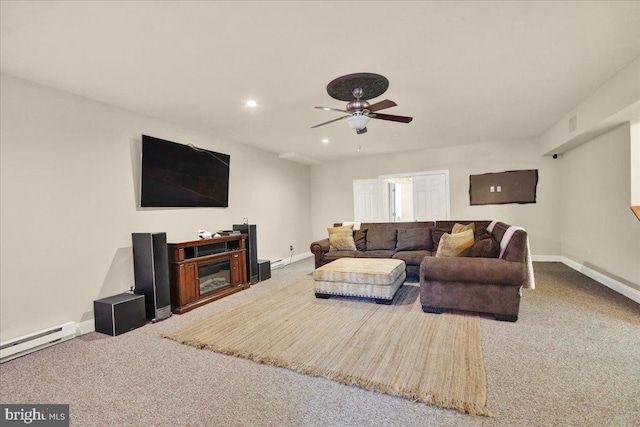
(119, 314)
(264, 266)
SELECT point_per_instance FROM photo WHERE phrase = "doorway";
(419, 196)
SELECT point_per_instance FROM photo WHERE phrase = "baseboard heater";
(36, 341)
(278, 263)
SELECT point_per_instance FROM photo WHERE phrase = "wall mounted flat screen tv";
(178, 175)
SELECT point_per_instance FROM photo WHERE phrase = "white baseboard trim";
(301, 256)
(609, 282)
(85, 327)
(621, 288)
(286, 261)
(546, 258)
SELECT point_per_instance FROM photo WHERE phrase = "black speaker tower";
(252, 250)
(151, 271)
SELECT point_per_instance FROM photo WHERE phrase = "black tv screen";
(178, 175)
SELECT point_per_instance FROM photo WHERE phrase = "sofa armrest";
(318, 249)
(475, 270)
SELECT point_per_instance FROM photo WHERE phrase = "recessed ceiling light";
(325, 141)
(251, 103)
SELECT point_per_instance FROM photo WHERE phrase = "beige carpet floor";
(570, 360)
(394, 349)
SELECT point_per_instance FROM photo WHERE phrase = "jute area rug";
(394, 349)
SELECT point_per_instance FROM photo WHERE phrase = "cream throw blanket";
(529, 281)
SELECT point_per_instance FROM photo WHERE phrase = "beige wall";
(582, 211)
(70, 176)
(599, 230)
(332, 199)
(615, 102)
(68, 203)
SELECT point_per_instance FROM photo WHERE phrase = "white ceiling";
(466, 71)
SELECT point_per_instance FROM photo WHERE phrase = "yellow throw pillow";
(455, 245)
(459, 228)
(341, 238)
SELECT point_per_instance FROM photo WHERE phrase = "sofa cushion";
(485, 248)
(414, 239)
(412, 257)
(498, 230)
(382, 238)
(332, 256)
(375, 254)
(455, 245)
(482, 234)
(341, 238)
(360, 238)
(459, 228)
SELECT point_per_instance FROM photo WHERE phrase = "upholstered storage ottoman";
(377, 278)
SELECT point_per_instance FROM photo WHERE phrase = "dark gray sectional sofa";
(480, 282)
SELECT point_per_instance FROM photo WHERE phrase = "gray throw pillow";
(360, 237)
(414, 239)
(437, 234)
(485, 248)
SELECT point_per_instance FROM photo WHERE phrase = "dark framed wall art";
(503, 187)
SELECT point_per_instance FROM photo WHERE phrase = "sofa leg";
(323, 296)
(384, 301)
(506, 317)
(428, 309)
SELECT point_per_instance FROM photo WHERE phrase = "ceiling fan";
(357, 89)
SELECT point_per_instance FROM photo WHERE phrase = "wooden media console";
(201, 271)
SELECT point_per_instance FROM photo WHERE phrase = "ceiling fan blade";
(331, 109)
(402, 119)
(331, 121)
(381, 105)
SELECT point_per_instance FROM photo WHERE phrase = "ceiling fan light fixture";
(358, 88)
(358, 121)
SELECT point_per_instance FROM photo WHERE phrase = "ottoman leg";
(323, 296)
(506, 317)
(389, 301)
